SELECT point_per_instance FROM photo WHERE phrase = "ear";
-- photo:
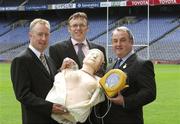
(30, 34)
(132, 42)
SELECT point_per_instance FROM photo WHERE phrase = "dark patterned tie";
(80, 53)
(118, 62)
(43, 60)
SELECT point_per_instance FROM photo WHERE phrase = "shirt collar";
(36, 52)
(127, 56)
(75, 42)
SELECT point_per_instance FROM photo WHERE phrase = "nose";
(94, 56)
(78, 27)
(44, 37)
(119, 42)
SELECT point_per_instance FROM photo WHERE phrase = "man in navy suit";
(77, 27)
(32, 79)
(127, 106)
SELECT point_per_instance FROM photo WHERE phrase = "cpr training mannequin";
(78, 90)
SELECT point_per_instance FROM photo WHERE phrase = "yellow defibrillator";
(113, 82)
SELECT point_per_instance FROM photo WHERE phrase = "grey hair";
(125, 29)
(40, 21)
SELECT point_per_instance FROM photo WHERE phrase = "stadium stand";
(166, 49)
(11, 2)
(163, 30)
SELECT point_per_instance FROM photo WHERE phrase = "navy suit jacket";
(141, 91)
(31, 83)
(64, 49)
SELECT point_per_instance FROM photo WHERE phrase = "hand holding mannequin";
(69, 63)
(78, 90)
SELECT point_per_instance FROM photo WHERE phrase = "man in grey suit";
(77, 27)
(32, 76)
(127, 106)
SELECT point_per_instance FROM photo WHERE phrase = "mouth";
(118, 48)
(42, 43)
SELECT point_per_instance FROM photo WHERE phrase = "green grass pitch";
(164, 110)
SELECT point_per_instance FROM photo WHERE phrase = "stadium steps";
(159, 38)
(165, 49)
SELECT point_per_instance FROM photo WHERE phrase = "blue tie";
(118, 62)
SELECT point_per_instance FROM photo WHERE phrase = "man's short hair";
(40, 21)
(78, 15)
(125, 29)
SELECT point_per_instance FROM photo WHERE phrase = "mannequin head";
(93, 60)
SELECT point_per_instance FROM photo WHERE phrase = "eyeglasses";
(78, 25)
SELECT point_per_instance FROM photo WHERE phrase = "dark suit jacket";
(64, 49)
(141, 91)
(31, 83)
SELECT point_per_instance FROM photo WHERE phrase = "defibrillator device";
(113, 82)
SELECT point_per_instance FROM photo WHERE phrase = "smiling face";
(94, 59)
(122, 43)
(39, 36)
(78, 26)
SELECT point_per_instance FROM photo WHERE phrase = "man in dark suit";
(78, 27)
(127, 106)
(32, 76)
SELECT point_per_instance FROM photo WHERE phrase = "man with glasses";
(77, 46)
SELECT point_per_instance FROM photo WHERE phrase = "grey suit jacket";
(141, 91)
(31, 83)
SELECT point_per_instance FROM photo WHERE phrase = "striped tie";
(43, 60)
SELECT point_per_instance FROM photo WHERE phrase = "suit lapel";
(125, 65)
(91, 45)
(128, 62)
(72, 53)
(38, 63)
(49, 65)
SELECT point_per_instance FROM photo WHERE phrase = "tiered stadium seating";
(16, 39)
(11, 2)
(167, 48)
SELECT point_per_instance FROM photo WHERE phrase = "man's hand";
(69, 63)
(59, 109)
(119, 99)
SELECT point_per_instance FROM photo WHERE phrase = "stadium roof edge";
(89, 5)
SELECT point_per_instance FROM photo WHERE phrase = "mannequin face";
(94, 59)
